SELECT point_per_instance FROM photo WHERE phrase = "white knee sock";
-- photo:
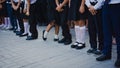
(18, 27)
(25, 27)
(5, 22)
(9, 23)
(77, 33)
(28, 30)
(82, 34)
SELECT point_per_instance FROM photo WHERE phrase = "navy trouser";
(18, 15)
(33, 20)
(95, 30)
(111, 21)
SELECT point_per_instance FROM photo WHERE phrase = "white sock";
(82, 34)
(28, 30)
(25, 27)
(9, 24)
(77, 33)
(45, 34)
(56, 36)
(18, 27)
(5, 22)
(1, 25)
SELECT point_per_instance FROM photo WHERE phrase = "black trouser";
(18, 15)
(33, 20)
(62, 19)
(95, 30)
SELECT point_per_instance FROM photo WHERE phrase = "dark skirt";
(51, 12)
(74, 13)
(24, 16)
(3, 11)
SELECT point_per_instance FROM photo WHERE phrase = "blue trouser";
(111, 22)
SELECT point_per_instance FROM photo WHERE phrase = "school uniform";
(42, 10)
(74, 13)
(33, 20)
(17, 14)
(111, 20)
(95, 27)
(62, 19)
(51, 12)
(10, 14)
(24, 6)
(3, 11)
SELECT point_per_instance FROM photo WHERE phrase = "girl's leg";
(56, 38)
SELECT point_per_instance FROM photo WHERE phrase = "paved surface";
(16, 52)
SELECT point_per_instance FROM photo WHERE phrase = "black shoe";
(30, 38)
(80, 46)
(62, 40)
(67, 42)
(56, 39)
(19, 33)
(97, 52)
(11, 29)
(117, 63)
(43, 36)
(22, 35)
(103, 58)
(74, 45)
(91, 50)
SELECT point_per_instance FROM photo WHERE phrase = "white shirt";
(114, 1)
(16, 0)
(25, 4)
(98, 5)
(32, 1)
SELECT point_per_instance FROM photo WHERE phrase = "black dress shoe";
(74, 45)
(67, 42)
(11, 29)
(103, 58)
(19, 33)
(56, 39)
(22, 35)
(81, 46)
(91, 50)
(117, 63)
(62, 40)
(30, 38)
(43, 36)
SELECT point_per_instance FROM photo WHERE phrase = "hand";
(27, 13)
(59, 8)
(24, 10)
(0, 6)
(15, 7)
(92, 10)
(82, 9)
